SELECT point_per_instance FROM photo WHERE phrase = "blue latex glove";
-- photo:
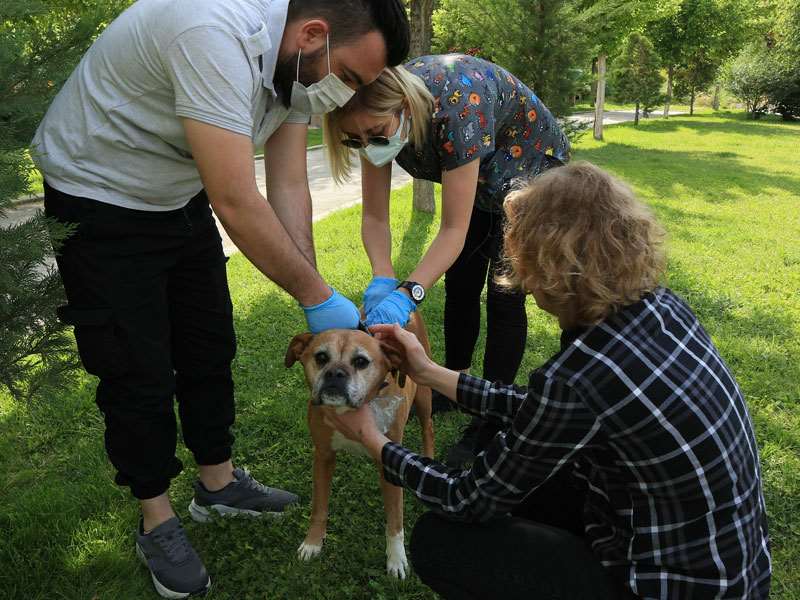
(337, 312)
(377, 290)
(395, 308)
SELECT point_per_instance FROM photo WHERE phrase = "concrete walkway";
(326, 196)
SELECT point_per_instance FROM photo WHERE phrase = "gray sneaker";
(176, 569)
(243, 496)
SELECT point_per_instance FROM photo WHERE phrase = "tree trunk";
(421, 35)
(691, 103)
(600, 102)
(636, 116)
(670, 72)
(715, 103)
(594, 78)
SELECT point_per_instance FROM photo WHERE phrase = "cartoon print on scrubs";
(482, 111)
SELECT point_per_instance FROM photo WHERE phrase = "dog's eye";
(322, 358)
(359, 362)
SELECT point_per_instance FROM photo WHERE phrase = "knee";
(206, 360)
(512, 303)
(428, 544)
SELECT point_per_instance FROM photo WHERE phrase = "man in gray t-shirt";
(157, 122)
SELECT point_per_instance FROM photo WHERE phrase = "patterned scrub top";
(483, 111)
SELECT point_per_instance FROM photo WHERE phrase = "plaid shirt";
(648, 419)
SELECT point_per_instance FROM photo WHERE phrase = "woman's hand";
(378, 289)
(404, 350)
(359, 425)
(394, 308)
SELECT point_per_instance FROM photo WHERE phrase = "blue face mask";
(382, 155)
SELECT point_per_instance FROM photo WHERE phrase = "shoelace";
(174, 544)
(252, 484)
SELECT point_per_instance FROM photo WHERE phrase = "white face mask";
(321, 97)
(382, 155)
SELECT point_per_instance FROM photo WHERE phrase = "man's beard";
(286, 71)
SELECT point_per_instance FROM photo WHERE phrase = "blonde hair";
(395, 89)
(580, 237)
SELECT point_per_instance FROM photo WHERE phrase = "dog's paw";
(396, 561)
(308, 551)
(397, 567)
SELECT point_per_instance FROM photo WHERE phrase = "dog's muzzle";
(335, 389)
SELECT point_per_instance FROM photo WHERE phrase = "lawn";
(727, 191)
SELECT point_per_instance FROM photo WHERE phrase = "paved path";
(326, 195)
(613, 117)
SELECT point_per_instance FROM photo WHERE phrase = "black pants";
(506, 320)
(538, 552)
(148, 296)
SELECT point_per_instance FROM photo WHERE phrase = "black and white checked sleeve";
(550, 427)
(491, 401)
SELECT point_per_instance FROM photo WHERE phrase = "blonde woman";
(476, 128)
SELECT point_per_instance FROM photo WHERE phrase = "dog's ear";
(296, 348)
(394, 360)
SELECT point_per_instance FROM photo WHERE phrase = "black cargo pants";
(148, 296)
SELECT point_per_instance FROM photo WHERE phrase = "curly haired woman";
(637, 413)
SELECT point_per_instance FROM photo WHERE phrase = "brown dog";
(345, 369)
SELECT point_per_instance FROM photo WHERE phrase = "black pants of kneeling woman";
(535, 553)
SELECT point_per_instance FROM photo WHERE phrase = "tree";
(753, 77)
(695, 40)
(609, 22)
(421, 36)
(636, 75)
(695, 75)
(543, 42)
(40, 43)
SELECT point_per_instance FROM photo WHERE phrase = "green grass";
(727, 191)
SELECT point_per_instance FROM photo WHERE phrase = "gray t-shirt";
(114, 132)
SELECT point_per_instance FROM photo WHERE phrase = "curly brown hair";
(579, 238)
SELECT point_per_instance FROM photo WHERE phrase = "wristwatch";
(415, 289)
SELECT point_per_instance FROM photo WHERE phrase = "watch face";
(418, 293)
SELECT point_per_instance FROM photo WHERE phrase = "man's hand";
(337, 312)
(359, 425)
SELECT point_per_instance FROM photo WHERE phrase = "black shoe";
(463, 452)
(175, 568)
(243, 496)
(441, 403)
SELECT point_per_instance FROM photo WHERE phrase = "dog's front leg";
(396, 561)
(324, 463)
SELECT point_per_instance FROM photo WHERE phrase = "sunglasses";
(374, 140)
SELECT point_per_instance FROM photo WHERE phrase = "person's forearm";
(292, 206)
(442, 253)
(377, 238)
(374, 443)
(439, 378)
(255, 229)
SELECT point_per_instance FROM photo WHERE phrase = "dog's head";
(343, 367)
